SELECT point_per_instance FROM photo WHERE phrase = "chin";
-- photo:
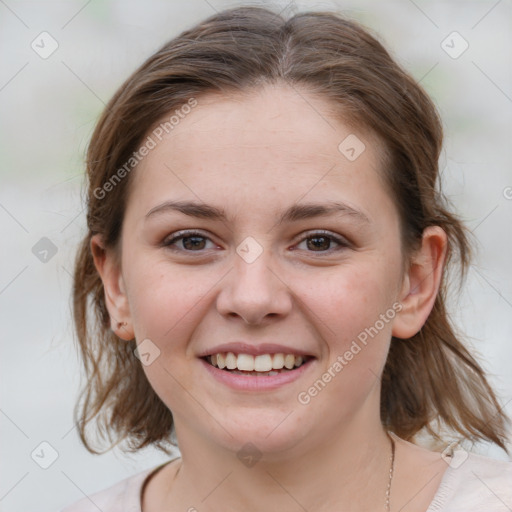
(269, 432)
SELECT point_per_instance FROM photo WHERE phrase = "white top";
(471, 483)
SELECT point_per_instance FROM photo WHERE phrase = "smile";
(262, 372)
(260, 365)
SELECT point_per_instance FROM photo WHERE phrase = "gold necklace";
(391, 470)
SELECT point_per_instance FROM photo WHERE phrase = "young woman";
(263, 277)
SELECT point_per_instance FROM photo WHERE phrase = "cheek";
(168, 302)
(353, 297)
(166, 307)
(355, 313)
(349, 309)
(163, 300)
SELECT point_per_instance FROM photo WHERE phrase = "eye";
(195, 241)
(192, 241)
(320, 241)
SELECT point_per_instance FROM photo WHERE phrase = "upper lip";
(241, 347)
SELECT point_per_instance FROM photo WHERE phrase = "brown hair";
(429, 379)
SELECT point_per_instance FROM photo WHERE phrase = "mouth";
(262, 365)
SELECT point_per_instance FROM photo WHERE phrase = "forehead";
(274, 140)
(287, 121)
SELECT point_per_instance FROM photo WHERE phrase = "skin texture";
(255, 155)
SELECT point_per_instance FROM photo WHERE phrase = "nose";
(254, 291)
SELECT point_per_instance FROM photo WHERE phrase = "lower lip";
(256, 383)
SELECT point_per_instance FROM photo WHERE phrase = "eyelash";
(180, 235)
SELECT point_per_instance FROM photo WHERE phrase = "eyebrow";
(294, 213)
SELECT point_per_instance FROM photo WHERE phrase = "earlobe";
(116, 299)
(421, 283)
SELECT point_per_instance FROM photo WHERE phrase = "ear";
(421, 283)
(116, 300)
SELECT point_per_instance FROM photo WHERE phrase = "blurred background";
(60, 63)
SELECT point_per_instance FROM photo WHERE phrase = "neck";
(349, 472)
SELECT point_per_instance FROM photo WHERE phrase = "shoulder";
(124, 496)
(474, 483)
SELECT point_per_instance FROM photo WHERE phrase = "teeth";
(256, 374)
(278, 361)
(245, 362)
(230, 361)
(289, 361)
(263, 364)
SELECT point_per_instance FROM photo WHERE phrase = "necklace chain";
(391, 470)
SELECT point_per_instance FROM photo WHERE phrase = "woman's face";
(305, 261)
